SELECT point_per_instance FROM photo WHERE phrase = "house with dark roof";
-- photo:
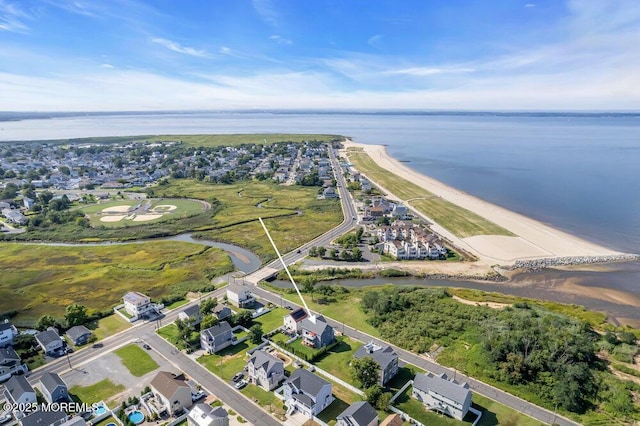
(265, 370)
(53, 388)
(438, 393)
(292, 320)
(17, 390)
(191, 314)
(222, 312)
(79, 335)
(315, 332)
(7, 333)
(359, 413)
(10, 363)
(206, 415)
(50, 342)
(44, 418)
(384, 356)
(171, 392)
(307, 393)
(216, 338)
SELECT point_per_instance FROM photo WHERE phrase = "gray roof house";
(316, 333)
(240, 295)
(307, 393)
(53, 388)
(441, 394)
(221, 312)
(7, 333)
(44, 418)
(50, 341)
(79, 334)
(216, 338)
(191, 314)
(17, 390)
(171, 391)
(205, 415)
(265, 370)
(359, 413)
(384, 356)
(10, 363)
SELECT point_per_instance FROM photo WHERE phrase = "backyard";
(100, 391)
(229, 361)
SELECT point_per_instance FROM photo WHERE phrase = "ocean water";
(577, 173)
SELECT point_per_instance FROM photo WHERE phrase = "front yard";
(101, 391)
(137, 361)
(226, 363)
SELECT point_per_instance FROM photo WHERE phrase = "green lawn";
(460, 221)
(101, 391)
(266, 400)
(108, 326)
(272, 319)
(336, 361)
(344, 398)
(229, 361)
(137, 360)
(177, 304)
(300, 348)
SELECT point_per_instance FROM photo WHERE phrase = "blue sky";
(60, 55)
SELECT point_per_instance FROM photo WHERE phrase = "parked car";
(147, 347)
(237, 377)
(196, 396)
(241, 384)
(289, 307)
(97, 345)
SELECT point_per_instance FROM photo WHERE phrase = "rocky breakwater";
(540, 264)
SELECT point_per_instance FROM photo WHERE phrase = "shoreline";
(534, 240)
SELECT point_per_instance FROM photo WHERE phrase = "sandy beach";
(533, 239)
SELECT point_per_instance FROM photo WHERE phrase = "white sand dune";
(534, 239)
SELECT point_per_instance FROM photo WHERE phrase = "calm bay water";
(580, 174)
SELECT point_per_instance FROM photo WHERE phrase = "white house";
(206, 415)
(293, 319)
(441, 394)
(265, 370)
(7, 334)
(172, 392)
(138, 305)
(239, 295)
(10, 363)
(307, 393)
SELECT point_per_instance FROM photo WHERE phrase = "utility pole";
(68, 360)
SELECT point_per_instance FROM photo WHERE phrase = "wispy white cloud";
(427, 71)
(529, 5)
(266, 11)
(280, 40)
(375, 40)
(107, 66)
(177, 47)
(225, 50)
(77, 7)
(12, 18)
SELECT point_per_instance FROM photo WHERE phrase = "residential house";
(53, 388)
(293, 319)
(50, 342)
(27, 202)
(44, 418)
(191, 314)
(79, 335)
(307, 393)
(14, 216)
(384, 356)
(265, 370)
(171, 392)
(10, 363)
(206, 415)
(392, 420)
(222, 312)
(329, 193)
(359, 413)
(17, 390)
(138, 305)
(239, 295)
(316, 333)
(7, 334)
(441, 394)
(216, 338)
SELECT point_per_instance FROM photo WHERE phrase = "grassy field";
(229, 361)
(137, 361)
(271, 320)
(41, 279)
(461, 222)
(108, 326)
(101, 391)
(177, 304)
(266, 400)
(184, 209)
(336, 361)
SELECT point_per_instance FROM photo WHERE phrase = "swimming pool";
(136, 417)
(100, 409)
(111, 424)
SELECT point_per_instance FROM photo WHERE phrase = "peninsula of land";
(529, 239)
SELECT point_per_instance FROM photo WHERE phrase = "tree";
(242, 318)
(208, 321)
(322, 251)
(383, 401)
(308, 283)
(366, 371)
(255, 334)
(313, 251)
(45, 322)
(75, 314)
(207, 305)
(372, 394)
(184, 330)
